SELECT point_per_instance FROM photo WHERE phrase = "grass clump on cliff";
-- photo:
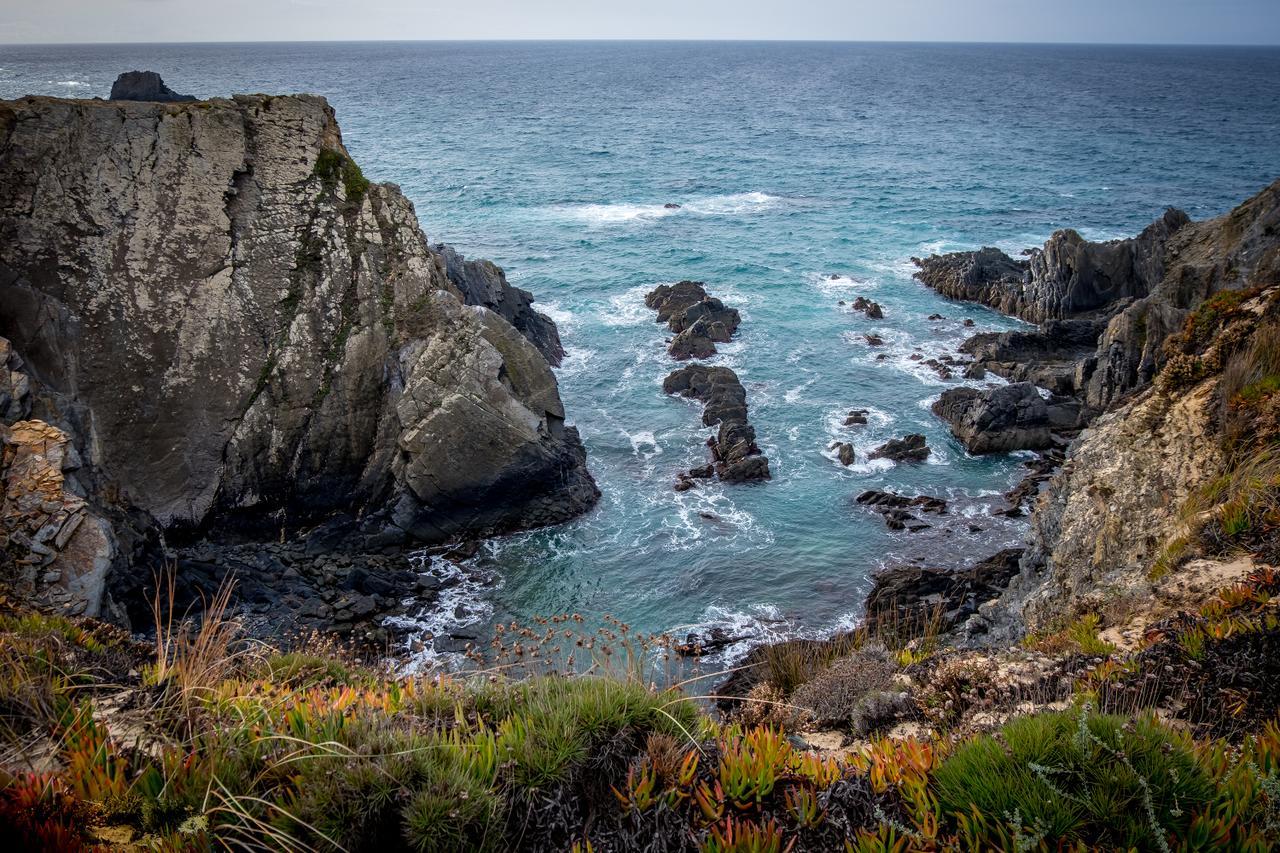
(334, 167)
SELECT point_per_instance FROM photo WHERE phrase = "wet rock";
(844, 452)
(912, 597)
(871, 309)
(874, 340)
(909, 448)
(856, 417)
(1011, 417)
(735, 455)
(699, 321)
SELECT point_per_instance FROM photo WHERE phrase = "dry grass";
(190, 660)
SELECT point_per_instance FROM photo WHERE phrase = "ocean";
(791, 163)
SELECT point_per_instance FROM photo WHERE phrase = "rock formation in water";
(909, 448)
(699, 321)
(735, 455)
(144, 86)
(236, 333)
(484, 283)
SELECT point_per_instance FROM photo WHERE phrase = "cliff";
(1173, 481)
(240, 334)
(1123, 297)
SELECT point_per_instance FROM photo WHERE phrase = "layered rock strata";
(239, 333)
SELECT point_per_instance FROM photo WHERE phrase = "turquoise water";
(791, 162)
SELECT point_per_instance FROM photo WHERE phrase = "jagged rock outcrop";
(240, 332)
(1137, 292)
(1068, 276)
(1010, 417)
(897, 509)
(735, 454)
(1049, 357)
(484, 283)
(699, 321)
(909, 448)
(912, 597)
(144, 86)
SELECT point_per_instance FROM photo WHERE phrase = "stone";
(482, 282)
(1010, 417)
(144, 86)
(909, 448)
(298, 349)
(845, 453)
(735, 455)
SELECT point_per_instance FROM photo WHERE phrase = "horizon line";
(655, 40)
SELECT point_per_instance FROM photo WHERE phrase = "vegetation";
(199, 742)
(334, 167)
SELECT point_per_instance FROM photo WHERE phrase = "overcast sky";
(1125, 21)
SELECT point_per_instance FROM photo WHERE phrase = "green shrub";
(1079, 777)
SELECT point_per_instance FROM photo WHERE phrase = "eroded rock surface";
(735, 454)
(238, 332)
(699, 321)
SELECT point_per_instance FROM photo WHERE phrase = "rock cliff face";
(1118, 509)
(238, 332)
(1123, 298)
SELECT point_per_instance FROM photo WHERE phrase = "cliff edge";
(239, 334)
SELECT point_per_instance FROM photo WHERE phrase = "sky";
(1115, 21)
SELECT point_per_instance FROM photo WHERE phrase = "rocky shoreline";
(1082, 394)
(265, 353)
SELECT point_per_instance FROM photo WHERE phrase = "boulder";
(1011, 417)
(909, 448)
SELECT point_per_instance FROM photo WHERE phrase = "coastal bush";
(1077, 776)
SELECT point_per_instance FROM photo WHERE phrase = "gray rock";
(909, 448)
(484, 283)
(266, 335)
(1011, 417)
(144, 86)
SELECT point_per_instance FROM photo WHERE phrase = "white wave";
(794, 395)
(463, 600)
(842, 285)
(617, 214)
(562, 318)
(628, 309)
(730, 205)
(760, 623)
(640, 441)
(864, 438)
(623, 213)
(576, 360)
(71, 84)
